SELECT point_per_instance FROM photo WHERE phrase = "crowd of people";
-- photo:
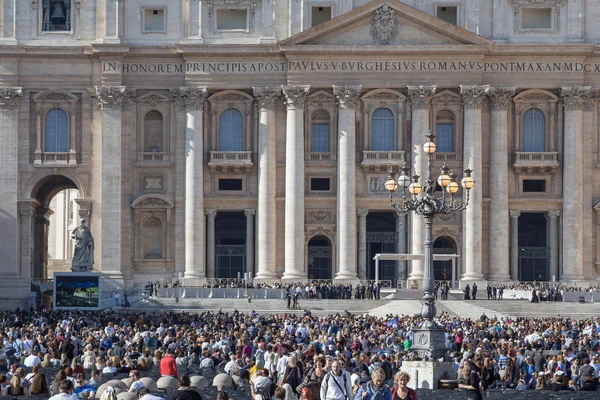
(290, 356)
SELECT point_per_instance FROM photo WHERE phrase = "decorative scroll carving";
(420, 96)
(249, 212)
(445, 99)
(473, 95)
(267, 97)
(112, 97)
(310, 233)
(319, 215)
(295, 96)
(188, 99)
(575, 98)
(384, 25)
(501, 97)
(347, 96)
(9, 98)
(363, 212)
(321, 99)
(553, 214)
(514, 213)
(154, 203)
(211, 212)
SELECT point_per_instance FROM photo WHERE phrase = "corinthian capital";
(267, 96)
(576, 98)
(501, 97)
(295, 96)
(347, 96)
(420, 96)
(9, 98)
(188, 98)
(112, 97)
(473, 95)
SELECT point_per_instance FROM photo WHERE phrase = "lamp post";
(428, 341)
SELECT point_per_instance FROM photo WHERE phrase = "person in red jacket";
(168, 367)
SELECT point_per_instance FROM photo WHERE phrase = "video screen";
(76, 291)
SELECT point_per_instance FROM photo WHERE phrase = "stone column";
(348, 99)
(553, 217)
(499, 225)
(514, 244)
(26, 212)
(362, 243)
(401, 273)
(574, 99)
(473, 97)
(420, 97)
(192, 101)
(294, 182)
(210, 243)
(250, 212)
(267, 98)
(112, 101)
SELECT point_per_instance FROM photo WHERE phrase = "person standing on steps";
(467, 292)
(474, 291)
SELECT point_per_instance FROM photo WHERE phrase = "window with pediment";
(382, 130)
(446, 123)
(154, 132)
(153, 138)
(320, 132)
(57, 131)
(319, 139)
(533, 131)
(231, 130)
(153, 247)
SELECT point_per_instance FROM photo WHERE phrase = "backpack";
(337, 384)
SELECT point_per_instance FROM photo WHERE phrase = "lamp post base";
(429, 342)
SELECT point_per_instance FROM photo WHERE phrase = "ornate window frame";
(224, 100)
(144, 208)
(215, 5)
(554, 16)
(320, 101)
(447, 100)
(153, 101)
(547, 103)
(384, 98)
(38, 14)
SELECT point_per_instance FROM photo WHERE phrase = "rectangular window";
(534, 185)
(320, 138)
(232, 19)
(320, 15)
(319, 184)
(448, 14)
(230, 184)
(56, 16)
(443, 139)
(536, 18)
(154, 20)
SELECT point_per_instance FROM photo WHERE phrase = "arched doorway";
(319, 258)
(442, 270)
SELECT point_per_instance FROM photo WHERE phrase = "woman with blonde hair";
(376, 389)
(402, 391)
(47, 363)
(15, 388)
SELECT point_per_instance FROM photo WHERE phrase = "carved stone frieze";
(420, 96)
(9, 98)
(501, 97)
(320, 216)
(576, 98)
(267, 96)
(112, 97)
(445, 99)
(348, 96)
(153, 203)
(321, 99)
(295, 96)
(188, 99)
(384, 25)
(473, 96)
(320, 231)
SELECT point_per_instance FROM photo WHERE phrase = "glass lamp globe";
(415, 187)
(403, 181)
(452, 188)
(467, 181)
(390, 184)
(429, 147)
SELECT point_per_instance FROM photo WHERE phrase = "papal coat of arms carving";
(384, 25)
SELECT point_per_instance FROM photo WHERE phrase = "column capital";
(501, 97)
(362, 212)
(576, 98)
(27, 207)
(553, 213)
(514, 213)
(295, 96)
(107, 98)
(9, 98)
(347, 96)
(188, 98)
(420, 96)
(267, 96)
(249, 212)
(473, 95)
(211, 212)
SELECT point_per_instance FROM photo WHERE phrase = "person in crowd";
(185, 392)
(336, 384)
(83, 387)
(144, 394)
(168, 367)
(136, 383)
(375, 389)
(66, 389)
(39, 385)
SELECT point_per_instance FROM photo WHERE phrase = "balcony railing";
(65, 159)
(57, 158)
(537, 162)
(447, 157)
(381, 161)
(222, 161)
(314, 156)
(151, 157)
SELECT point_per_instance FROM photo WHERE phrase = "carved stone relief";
(384, 25)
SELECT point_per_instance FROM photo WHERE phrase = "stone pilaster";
(574, 100)
(26, 214)
(473, 97)
(553, 243)
(295, 97)
(210, 243)
(267, 98)
(268, 23)
(348, 99)
(362, 243)
(402, 272)
(191, 100)
(250, 213)
(420, 98)
(501, 99)
(514, 244)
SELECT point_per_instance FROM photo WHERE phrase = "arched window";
(382, 130)
(57, 131)
(444, 132)
(153, 132)
(533, 131)
(231, 130)
(319, 142)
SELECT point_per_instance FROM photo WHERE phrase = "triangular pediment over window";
(385, 23)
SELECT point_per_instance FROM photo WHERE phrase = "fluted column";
(362, 243)
(348, 99)
(499, 269)
(514, 244)
(295, 97)
(553, 217)
(420, 97)
(191, 100)
(267, 98)
(401, 272)
(473, 97)
(574, 99)
(210, 243)
(112, 101)
(250, 212)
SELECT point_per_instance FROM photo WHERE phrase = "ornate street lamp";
(428, 342)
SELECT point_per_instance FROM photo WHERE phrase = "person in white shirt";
(229, 366)
(136, 384)
(337, 384)
(32, 360)
(144, 394)
(66, 391)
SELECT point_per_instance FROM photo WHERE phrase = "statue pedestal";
(426, 374)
